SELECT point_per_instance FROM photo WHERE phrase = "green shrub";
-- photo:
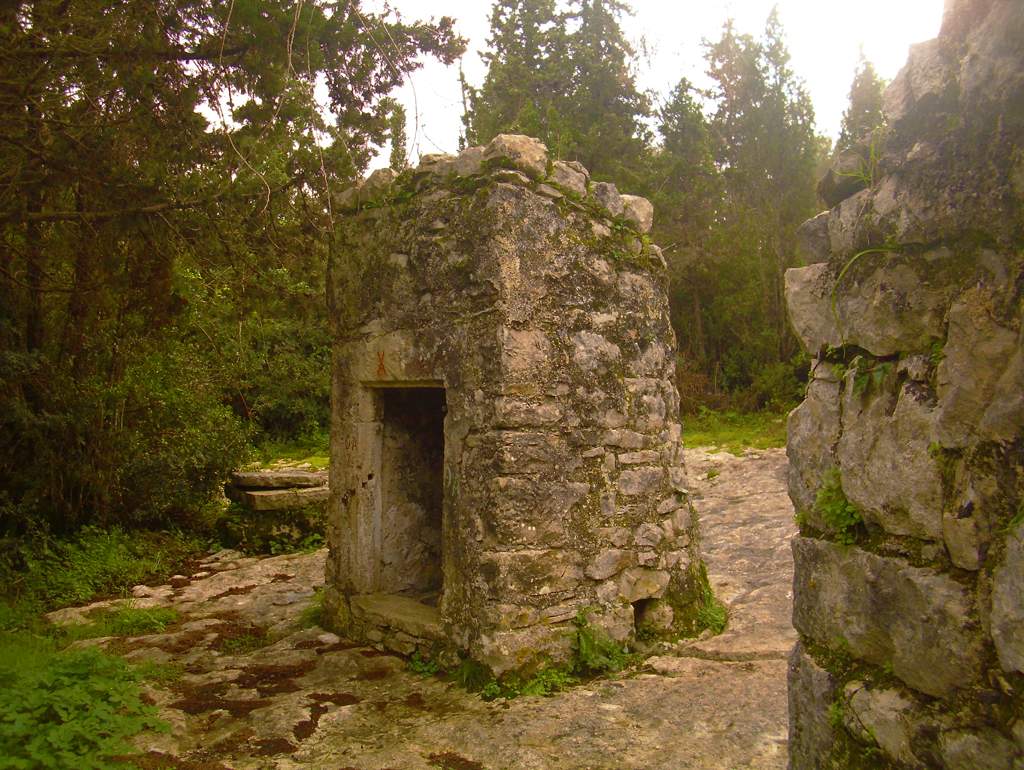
(778, 386)
(72, 710)
(149, 448)
(422, 665)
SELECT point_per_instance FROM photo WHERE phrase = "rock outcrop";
(907, 456)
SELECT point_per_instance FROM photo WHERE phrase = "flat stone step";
(278, 479)
(278, 499)
(400, 613)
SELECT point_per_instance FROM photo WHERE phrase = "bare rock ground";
(308, 699)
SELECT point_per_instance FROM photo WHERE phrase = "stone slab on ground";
(259, 691)
(278, 479)
(278, 499)
(746, 526)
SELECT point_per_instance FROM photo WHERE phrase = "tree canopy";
(165, 214)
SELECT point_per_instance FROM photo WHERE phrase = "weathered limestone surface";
(506, 448)
(308, 698)
(911, 609)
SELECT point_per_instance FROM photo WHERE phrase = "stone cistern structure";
(506, 448)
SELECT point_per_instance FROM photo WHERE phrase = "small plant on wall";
(838, 513)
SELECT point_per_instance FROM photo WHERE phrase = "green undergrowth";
(69, 709)
(734, 431)
(313, 450)
(594, 654)
(95, 564)
(121, 621)
(75, 708)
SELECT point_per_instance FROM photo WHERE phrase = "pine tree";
(606, 109)
(763, 124)
(164, 217)
(527, 74)
(864, 114)
(399, 158)
(685, 187)
(565, 77)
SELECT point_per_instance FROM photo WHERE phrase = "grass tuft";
(733, 431)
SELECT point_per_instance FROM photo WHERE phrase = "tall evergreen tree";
(527, 74)
(685, 187)
(864, 113)
(564, 76)
(607, 111)
(763, 124)
(164, 213)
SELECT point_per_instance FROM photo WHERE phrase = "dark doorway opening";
(412, 490)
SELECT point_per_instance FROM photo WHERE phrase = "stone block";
(279, 499)
(571, 177)
(846, 175)
(891, 307)
(641, 583)
(609, 562)
(523, 152)
(812, 244)
(531, 573)
(888, 470)
(813, 430)
(640, 481)
(808, 301)
(397, 612)
(377, 185)
(638, 211)
(981, 749)
(278, 479)
(919, 622)
(592, 352)
(978, 351)
(923, 85)
(1008, 603)
(884, 716)
(812, 690)
(606, 195)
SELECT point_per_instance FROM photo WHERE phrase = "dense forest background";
(166, 178)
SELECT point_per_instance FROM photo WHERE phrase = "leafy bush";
(146, 449)
(778, 386)
(71, 710)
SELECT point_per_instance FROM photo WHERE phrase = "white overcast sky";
(824, 38)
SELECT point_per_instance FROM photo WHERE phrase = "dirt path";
(312, 700)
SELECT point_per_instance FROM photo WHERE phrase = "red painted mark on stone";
(382, 371)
